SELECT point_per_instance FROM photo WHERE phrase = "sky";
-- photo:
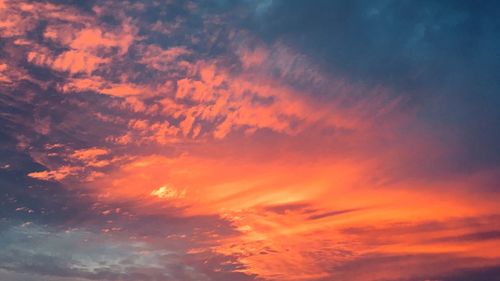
(249, 140)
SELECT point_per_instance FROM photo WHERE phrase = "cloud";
(418, 267)
(421, 57)
(242, 141)
(57, 175)
(77, 255)
(332, 213)
(165, 192)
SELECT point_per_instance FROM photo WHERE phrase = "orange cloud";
(55, 175)
(94, 38)
(90, 46)
(89, 154)
(71, 61)
(163, 60)
(289, 212)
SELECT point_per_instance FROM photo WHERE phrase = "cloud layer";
(278, 140)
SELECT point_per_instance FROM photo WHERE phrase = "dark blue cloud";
(441, 55)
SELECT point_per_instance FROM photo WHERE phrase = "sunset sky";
(272, 140)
